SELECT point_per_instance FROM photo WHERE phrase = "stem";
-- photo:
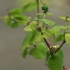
(46, 41)
(64, 68)
(37, 10)
(60, 46)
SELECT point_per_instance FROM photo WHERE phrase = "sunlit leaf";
(31, 26)
(28, 28)
(56, 30)
(47, 33)
(49, 22)
(30, 6)
(36, 37)
(64, 18)
(39, 51)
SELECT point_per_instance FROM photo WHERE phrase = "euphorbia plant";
(40, 30)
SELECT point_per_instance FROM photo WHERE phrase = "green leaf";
(25, 43)
(28, 28)
(64, 18)
(56, 30)
(47, 55)
(36, 37)
(39, 51)
(59, 38)
(24, 53)
(28, 19)
(55, 63)
(49, 22)
(47, 33)
(15, 21)
(31, 26)
(67, 38)
(15, 11)
(30, 6)
(60, 54)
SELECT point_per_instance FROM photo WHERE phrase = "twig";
(37, 10)
(64, 68)
(60, 46)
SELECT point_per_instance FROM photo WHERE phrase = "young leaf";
(67, 38)
(25, 43)
(24, 53)
(64, 18)
(55, 63)
(31, 26)
(47, 33)
(49, 22)
(59, 38)
(15, 11)
(39, 51)
(56, 30)
(28, 28)
(30, 6)
(36, 37)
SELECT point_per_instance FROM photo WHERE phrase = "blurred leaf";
(56, 30)
(28, 28)
(25, 43)
(67, 38)
(15, 21)
(49, 22)
(59, 38)
(31, 26)
(60, 54)
(64, 18)
(28, 19)
(55, 63)
(36, 37)
(30, 6)
(47, 55)
(15, 11)
(39, 51)
(47, 33)
(24, 53)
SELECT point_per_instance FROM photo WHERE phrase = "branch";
(60, 46)
(46, 41)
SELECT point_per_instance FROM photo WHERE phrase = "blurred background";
(11, 39)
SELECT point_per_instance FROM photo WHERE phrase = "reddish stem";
(64, 68)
